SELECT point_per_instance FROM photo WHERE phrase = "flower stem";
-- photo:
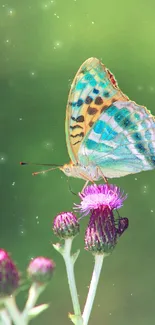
(34, 293)
(71, 279)
(4, 318)
(92, 288)
(15, 314)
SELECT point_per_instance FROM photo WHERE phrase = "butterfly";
(107, 134)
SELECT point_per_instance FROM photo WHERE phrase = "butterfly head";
(69, 169)
(74, 170)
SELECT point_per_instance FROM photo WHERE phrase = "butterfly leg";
(87, 181)
(85, 185)
(100, 172)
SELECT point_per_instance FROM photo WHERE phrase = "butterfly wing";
(121, 141)
(93, 90)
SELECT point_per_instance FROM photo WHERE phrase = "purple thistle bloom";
(9, 275)
(97, 196)
(101, 233)
(103, 229)
(66, 225)
(41, 269)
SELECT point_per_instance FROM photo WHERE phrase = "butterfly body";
(91, 173)
(107, 134)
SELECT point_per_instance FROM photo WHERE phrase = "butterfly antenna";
(54, 166)
(23, 163)
(44, 171)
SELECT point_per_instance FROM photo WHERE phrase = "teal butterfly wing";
(94, 88)
(121, 141)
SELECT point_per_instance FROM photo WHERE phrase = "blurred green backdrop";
(42, 44)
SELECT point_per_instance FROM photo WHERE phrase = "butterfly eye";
(67, 170)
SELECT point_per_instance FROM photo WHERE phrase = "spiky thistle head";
(103, 229)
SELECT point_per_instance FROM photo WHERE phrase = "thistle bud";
(9, 275)
(66, 225)
(41, 269)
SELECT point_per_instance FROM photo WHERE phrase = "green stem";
(4, 316)
(34, 293)
(92, 288)
(15, 314)
(71, 278)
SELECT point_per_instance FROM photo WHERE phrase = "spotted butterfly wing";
(104, 128)
(94, 89)
(121, 142)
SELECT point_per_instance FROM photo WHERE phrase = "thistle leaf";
(58, 248)
(75, 256)
(37, 310)
(75, 319)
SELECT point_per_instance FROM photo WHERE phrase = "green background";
(42, 44)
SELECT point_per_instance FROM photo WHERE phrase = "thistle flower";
(66, 225)
(9, 275)
(103, 229)
(41, 269)
(97, 196)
